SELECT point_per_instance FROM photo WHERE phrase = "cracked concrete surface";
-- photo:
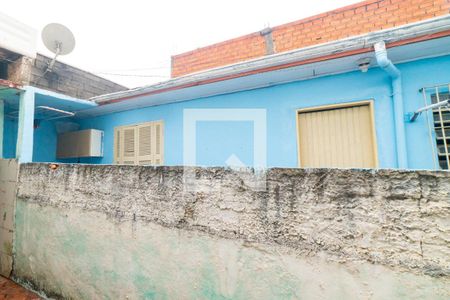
(398, 220)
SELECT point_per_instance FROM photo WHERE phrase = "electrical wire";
(133, 70)
(130, 75)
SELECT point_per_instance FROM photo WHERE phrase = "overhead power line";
(131, 75)
(136, 69)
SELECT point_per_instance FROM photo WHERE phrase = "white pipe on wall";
(397, 96)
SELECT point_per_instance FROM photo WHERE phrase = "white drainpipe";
(397, 96)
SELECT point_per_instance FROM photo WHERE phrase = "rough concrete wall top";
(399, 219)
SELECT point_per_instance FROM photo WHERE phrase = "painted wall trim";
(63, 97)
(24, 149)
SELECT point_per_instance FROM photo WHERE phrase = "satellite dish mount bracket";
(52, 62)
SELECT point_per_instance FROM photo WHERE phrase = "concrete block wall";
(8, 184)
(360, 18)
(85, 231)
(69, 80)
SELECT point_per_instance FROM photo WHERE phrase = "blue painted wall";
(217, 141)
(418, 74)
(281, 103)
(44, 143)
(232, 138)
(9, 137)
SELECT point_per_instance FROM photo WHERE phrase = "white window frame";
(140, 151)
(438, 124)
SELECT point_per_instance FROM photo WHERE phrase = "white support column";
(24, 150)
(2, 126)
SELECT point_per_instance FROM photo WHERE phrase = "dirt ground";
(12, 291)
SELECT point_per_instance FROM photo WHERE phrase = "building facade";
(278, 98)
(26, 82)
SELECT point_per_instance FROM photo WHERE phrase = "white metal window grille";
(440, 123)
(139, 144)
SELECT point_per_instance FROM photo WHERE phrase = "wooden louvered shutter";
(141, 144)
(145, 144)
(117, 145)
(158, 152)
(129, 145)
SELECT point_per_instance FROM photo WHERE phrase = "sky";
(131, 42)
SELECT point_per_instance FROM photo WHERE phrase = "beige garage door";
(341, 137)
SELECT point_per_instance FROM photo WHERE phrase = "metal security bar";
(441, 121)
(46, 113)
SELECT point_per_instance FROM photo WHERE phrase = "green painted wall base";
(77, 254)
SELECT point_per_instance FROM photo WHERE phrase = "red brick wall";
(356, 19)
(224, 53)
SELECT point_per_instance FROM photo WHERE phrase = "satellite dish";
(58, 39)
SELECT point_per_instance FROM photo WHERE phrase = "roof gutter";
(397, 97)
(410, 33)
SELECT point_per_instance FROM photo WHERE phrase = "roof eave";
(414, 32)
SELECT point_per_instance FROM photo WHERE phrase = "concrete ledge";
(392, 218)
